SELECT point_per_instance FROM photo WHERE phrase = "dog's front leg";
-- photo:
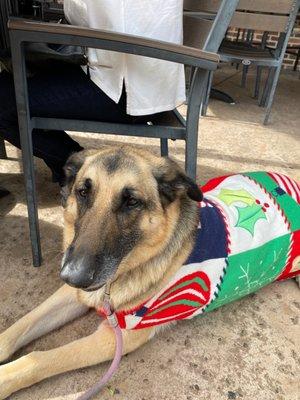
(91, 350)
(61, 307)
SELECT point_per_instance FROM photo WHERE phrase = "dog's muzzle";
(87, 272)
(77, 273)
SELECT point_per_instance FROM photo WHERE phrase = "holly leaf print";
(229, 196)
(248, 216)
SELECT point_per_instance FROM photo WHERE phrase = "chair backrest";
(270, 15)
(206, 22)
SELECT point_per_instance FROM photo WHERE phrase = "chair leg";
(207, 94)
(192, 71)
(25, 130)
(164, 147)
(28, 167)
(3, 154)
(262, 99)
(244, 75)
(262, 102)
(196, 98)
(297, 60)
(257, 82)
(272, 93)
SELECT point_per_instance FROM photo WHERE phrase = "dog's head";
(121, 205)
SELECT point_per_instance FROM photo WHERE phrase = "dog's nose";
(75, 274)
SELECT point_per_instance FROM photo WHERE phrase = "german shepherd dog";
(130, 219)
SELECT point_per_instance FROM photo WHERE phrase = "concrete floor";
(248, 350)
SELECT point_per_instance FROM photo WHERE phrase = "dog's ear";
(174, 183)
(71, 169)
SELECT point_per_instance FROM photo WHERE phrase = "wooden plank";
(272, 23)
(75, 31)
(202, 5)
(196, 31)
(201, 14)
(267, 6)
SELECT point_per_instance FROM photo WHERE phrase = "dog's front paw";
(19, 374)
(6, 349)
(6, 384)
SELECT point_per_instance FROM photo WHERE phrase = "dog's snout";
(77, 273)
(87, 271)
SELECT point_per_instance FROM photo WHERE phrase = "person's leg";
(66, 91)
(62, 91)
(54, 147)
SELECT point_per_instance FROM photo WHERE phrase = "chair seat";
(238, 51)
(167, 118)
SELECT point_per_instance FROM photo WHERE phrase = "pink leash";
(113, 322)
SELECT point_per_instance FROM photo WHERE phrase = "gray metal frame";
(221, 20)
(188, 130)
(274, 64)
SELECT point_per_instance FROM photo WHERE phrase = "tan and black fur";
(130, 219)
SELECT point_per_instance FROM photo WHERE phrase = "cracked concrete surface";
(248, 350)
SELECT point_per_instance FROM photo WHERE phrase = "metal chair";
(276, 16)
(206, 22)
(218, 11)
(245, 38)
(168, 125)
(10, 8)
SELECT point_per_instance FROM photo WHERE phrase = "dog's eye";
(132, 202)
(83, 192)
(129, 201)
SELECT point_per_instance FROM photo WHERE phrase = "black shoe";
(58, 177)
(3, 193)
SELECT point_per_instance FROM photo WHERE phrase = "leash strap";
(113, 322)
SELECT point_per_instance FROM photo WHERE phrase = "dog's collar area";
(108, 309)
(112, 319)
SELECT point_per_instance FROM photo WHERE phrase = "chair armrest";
(30, 31)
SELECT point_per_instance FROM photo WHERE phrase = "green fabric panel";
(249, 271)
(286, 202)
(185, 283)
(176, 303)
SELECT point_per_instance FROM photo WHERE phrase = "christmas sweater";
(248, 237)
